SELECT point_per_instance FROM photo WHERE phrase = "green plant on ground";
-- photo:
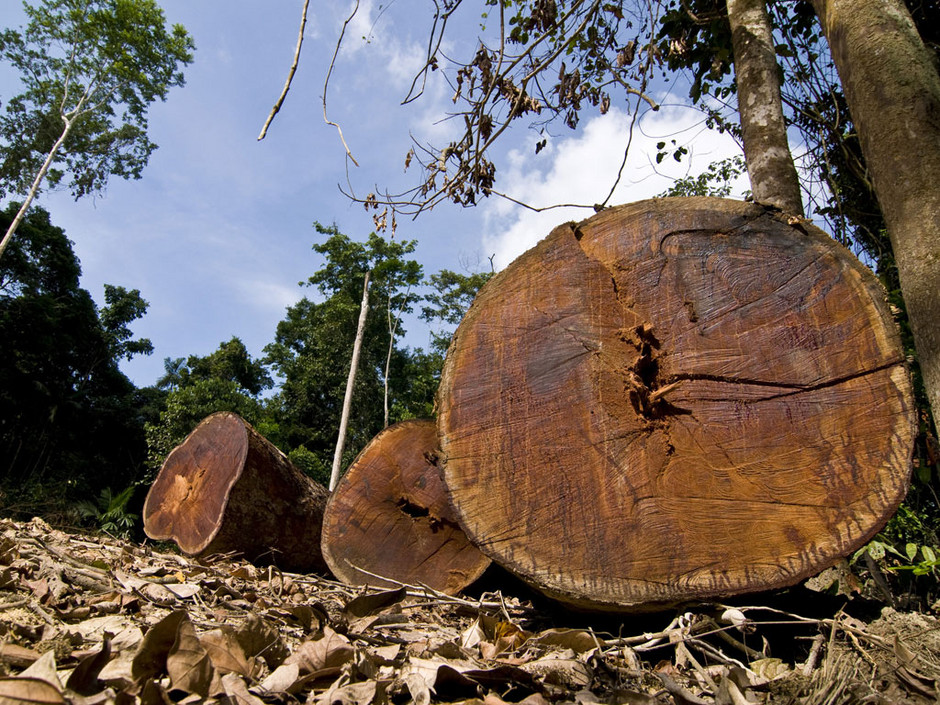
(110, 512)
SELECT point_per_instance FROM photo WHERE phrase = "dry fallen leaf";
(188, 663)
(84, 679)
(44, 669)
(36, 691)
(225, 652)
(150, 659)
(350, 694)
(321, 655)
(282, 679)
(257, 638)
(237, 692)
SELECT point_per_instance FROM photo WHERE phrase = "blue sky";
(218, 232)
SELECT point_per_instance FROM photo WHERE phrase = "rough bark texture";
(892, 89)
(389, 516)
(676, 399)
(226, 488)
(769, 163)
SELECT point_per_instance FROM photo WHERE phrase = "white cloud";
(582, 169)
(391, 48)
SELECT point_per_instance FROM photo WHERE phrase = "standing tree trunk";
(892, 89)
(389, 517)
(675, 400)
(226, 488)
(67, 121)
(774, 180)
(350, 385)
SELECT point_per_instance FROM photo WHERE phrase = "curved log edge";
(226, 488)
(674, 400)
(389, 516)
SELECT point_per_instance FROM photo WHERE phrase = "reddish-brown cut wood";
(389, 516)
(227, 488)
(676, 399)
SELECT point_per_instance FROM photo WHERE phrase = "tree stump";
(673, 400)
(227, 488)
(389, 516)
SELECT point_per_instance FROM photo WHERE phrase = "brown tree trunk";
(769, 163)
(226, 488)
(893, 92)
(676, 399)
(389, 516)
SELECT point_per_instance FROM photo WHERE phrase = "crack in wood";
(793, 389)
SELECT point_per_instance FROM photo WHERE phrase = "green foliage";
(716, 180)
(189, 404)
(231, 362)
(69, 419)
(91, 68)
(311, 464)
(313, 346)
(110, 512)
(121, 308)
(451, 297)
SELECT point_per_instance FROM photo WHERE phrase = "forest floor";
(92, 619)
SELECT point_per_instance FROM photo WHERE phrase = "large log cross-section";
(672, 400)
(226, 488)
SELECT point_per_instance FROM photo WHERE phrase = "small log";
(389, 516)
(228, 489)
(679, 399)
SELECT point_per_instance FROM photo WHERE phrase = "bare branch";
(290, 74)
(326, 83)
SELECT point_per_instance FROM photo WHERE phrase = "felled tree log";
(677, 399)
(389, 516)
(227, 488)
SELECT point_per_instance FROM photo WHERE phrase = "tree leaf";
(368, 604)
(329, 652)
(21, 690)
(237, 691)
(188, 662)
(225, 652)
(84, 679)
(150, 659)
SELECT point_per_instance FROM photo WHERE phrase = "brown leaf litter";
(91, 619)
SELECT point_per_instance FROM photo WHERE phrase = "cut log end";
(678, 399)
(389, 517)
(225, 488)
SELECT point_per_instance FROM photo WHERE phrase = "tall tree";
(90, 70)
(313, 347)
(70, 422)
(763, 130)
(892, 89)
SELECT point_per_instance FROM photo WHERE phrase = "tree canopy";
(69, 418)
(90, 70)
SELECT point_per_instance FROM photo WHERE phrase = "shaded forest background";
(79, 439)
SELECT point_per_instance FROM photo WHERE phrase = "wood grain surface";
(676, 399)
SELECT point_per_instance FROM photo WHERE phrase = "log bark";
(228, 489)
(389, 516)
(675, 400)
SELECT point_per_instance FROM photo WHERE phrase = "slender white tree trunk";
(392, 329)
(34, 189)
(388, 356)
(350, 382)
(892, 88)
(774, 180)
